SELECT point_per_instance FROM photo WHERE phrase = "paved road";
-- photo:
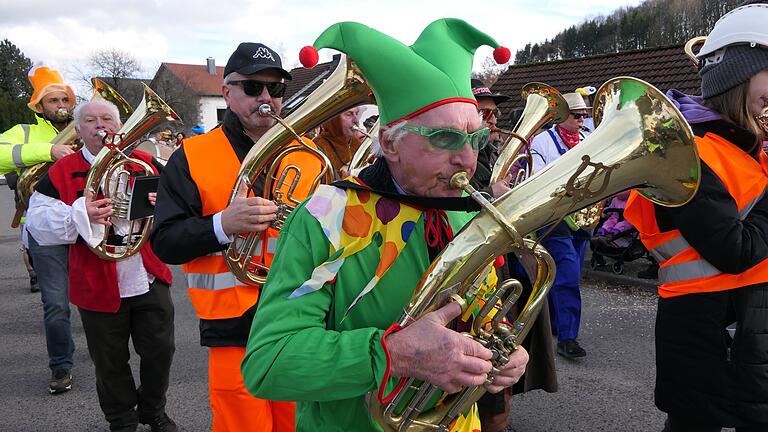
(609, 390)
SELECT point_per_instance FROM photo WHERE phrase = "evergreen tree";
(15, 89)
(653, 23)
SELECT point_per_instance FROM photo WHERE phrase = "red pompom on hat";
(502, 55)
(309, 57)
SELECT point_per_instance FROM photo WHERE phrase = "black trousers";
(148, 320)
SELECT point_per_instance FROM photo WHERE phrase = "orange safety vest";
(681, 269)
(215, 292)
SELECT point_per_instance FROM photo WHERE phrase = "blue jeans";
(567, 248)
(50, 263)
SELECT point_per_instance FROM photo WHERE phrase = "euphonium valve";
(642, 142)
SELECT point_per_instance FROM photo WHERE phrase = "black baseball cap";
(479, 89)
(250, 58)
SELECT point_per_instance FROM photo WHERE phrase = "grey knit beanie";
(730, 67)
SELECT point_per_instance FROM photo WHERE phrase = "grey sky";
(64, 33)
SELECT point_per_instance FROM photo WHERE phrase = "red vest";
(93, 281)
(681, 269)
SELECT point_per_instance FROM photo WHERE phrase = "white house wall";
(208, 108)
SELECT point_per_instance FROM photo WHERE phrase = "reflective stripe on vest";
(682, 269)
(691, 269)
(25, 127)
(16, 156)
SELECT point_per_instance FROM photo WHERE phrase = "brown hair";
(732, 105)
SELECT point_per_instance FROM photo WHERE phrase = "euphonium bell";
(32, 175)
(643, 142)
(109, 174)
(543, 105)
(345, 88)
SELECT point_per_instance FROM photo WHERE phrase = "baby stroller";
(616, 242)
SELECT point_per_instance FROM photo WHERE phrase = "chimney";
(211, 65)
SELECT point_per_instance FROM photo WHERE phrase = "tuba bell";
(345, 88)
(109, 174)
(543, 105)
(643, 142)
(32, 175)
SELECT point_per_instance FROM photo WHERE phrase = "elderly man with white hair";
(349, 258)
(118, 301)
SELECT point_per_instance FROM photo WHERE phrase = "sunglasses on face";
(254, 88)
(578, 116)
(487, 113)
(451, 139)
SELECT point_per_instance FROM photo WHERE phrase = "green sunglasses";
(451, 139)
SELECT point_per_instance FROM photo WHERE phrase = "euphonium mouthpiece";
(265, 109)
(102, 134)
(459, 180)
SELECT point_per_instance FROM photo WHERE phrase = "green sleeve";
(13, 150)
(291, 355)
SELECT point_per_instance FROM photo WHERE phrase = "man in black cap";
(195, 223)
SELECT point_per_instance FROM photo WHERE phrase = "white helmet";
(745, 24)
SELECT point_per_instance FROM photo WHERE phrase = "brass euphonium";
(543, 104)
(109, 174)
(345, 88)
(364, 154)
(32, 175)
(643, 142)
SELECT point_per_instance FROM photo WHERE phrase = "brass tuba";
(32, 175)
(109, 174)
(345, 88)
(643, 142)
(543, 105)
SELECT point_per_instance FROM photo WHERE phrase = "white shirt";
(544, 150)
(52, 222)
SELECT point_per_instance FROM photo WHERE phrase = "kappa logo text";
(263, 53)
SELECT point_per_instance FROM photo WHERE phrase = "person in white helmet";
(713, 251)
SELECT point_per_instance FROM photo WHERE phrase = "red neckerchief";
(570, 138)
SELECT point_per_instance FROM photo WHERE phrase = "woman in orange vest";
(713, 251)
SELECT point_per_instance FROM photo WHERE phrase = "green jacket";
(303, 348)
(26, 144)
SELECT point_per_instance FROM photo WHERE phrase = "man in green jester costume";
(349, 258)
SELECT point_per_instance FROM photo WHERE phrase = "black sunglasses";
(579, 115)
(254, 88)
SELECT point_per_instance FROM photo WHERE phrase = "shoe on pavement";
(33, 286)
(61, 381)
(161, 423)
(570, 349)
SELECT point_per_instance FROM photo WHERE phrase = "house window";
(220, 114)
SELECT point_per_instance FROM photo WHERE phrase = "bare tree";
(490, 72)
(175, 91)
(115, 67)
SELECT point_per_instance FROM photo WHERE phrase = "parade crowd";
(307, 332)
